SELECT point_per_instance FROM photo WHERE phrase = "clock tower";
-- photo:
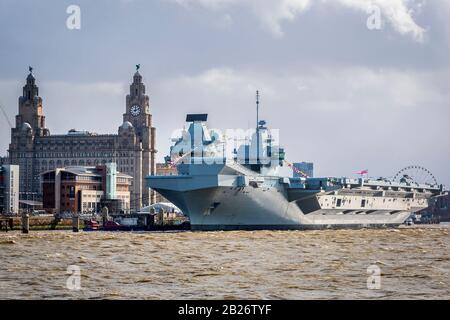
(138, 114)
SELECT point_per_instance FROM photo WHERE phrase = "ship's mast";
(257, 126)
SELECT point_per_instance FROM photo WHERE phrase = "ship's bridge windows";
(339, 202)
(363, 203)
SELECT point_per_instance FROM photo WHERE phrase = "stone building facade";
(35, 150)
(164, 169)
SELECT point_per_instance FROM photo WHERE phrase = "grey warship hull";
(231, 197)
(248, 190)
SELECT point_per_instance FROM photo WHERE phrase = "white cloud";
(272, 13)
(399, 13)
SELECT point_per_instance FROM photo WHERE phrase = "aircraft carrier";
(251, 191)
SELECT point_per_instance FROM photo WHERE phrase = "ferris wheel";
(417, 174)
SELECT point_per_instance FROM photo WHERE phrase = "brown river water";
(414, 264)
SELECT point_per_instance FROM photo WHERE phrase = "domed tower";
(30, 123)
(138, 114)
(30, 107)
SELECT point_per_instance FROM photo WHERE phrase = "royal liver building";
(36, 150)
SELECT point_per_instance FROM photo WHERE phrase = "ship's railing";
(380, 183)
(327, 183)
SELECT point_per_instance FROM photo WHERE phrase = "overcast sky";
(343, 96)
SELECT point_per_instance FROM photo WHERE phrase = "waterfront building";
(36, 150)
(86, 189)
(438, 210)
(164, 169)
(444, 209)
(305, 167)
(9, 189)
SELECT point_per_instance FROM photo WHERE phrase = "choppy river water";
(414, 263)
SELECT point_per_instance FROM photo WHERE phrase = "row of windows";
(74, 155)
(59, 163)
(47, 142)
(125, 169)
(341, 202)
(126, 161)
(52, 166)
(92, 196)
(89, 187)
(89, 178)
(89, 205)
(74, 148)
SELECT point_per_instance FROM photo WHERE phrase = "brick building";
(85, 189)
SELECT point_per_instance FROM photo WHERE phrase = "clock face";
(135, 110)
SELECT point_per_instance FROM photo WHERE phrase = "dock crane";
(6, 116)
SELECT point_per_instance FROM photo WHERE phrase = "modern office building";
(9, 189)
(132, 148)
(85, 189)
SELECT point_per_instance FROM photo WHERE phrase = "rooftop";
(87, 171)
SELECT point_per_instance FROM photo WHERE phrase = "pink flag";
(362, 172)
